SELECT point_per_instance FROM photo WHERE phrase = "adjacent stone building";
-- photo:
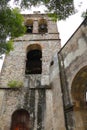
(43, 86)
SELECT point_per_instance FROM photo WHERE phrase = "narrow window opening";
(29, 29)
(52, 62)
(33, 62)
(29, 26)
(42, 26)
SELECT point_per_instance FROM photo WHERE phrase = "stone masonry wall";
(44, 105)
(38, 96)
(56, 93)
(15, 62)
(73, 57)
(73, 54)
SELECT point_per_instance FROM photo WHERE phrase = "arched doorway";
(34, 59)
(20, 120)
(79, 97)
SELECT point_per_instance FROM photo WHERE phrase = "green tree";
(11, 25)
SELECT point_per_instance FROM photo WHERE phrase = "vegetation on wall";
(15, 84)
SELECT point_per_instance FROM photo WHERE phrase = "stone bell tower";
(25, 79)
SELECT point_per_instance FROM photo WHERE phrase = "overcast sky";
(66, 28)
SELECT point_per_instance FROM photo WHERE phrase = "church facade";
(43, 86)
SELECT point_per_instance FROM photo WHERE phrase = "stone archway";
(79, 95)
(20, 120)
(34, 62)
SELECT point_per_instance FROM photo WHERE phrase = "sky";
(65, 27)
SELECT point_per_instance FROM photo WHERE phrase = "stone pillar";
(35, 26)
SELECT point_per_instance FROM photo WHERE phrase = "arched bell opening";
(42, 26)
(29, 26)
(34, 59)
(20, 120)
(79, 97)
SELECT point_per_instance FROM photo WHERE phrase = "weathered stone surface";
(57, 101)
(56, 98)
(73, 69)
(15, 62)
(37, 95)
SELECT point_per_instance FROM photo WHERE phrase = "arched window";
(79, 97)
(29, 25)
(42, 26)
(33, 62)
(20, 120)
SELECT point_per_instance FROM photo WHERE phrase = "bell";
(29, 27)
(42, 26)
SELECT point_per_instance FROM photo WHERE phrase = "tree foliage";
(61, 9)
(11, 25)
